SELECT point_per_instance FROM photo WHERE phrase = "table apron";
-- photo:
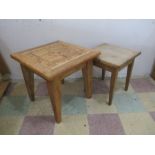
(63, 74)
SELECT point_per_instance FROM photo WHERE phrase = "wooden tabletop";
(54, 58)
(115, 55)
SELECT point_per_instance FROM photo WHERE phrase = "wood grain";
(128, 77)
(114, 58)
(54, 62)
(54, 90)
(50, 60)
(29, 81)
(112, 85)
(87, 76)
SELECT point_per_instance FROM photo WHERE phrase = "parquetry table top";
(51, 59)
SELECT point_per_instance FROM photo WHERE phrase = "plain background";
(18, 34)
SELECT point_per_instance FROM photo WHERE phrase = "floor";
(132, 112)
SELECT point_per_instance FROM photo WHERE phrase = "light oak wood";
(71, 71)
(54, 90)
(114, 55)
(29, 81)
(87, 76)
(128, 77)
(54, 62)
(114, 58)
(52, 59)
(112, 85)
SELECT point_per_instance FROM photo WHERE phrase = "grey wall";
(16, 35)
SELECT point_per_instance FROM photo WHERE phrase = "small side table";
(53, 62)
(113, 59)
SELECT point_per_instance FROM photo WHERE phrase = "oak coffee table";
(53, 62)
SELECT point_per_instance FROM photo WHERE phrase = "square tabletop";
(54, 58)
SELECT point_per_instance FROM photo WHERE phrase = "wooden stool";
(113, 59)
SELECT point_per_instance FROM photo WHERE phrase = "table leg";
(128, 77)
(103, 74)
(63, 81)
(29, 81)
(87, 75)
(112, 85)
(54, 90)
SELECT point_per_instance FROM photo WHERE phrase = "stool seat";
(115, 55)
(114, 58)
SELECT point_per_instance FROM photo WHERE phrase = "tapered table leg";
(112, 85)
(87, 75)
(103, 74)
(63, 81)
(54, 90)
(128, 77)
(29, 81)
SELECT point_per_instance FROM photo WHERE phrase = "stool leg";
(29, 81)
(112, 85)
(103, 74)
(54, 90)
(128, 77)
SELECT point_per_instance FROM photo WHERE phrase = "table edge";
(60, 70)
